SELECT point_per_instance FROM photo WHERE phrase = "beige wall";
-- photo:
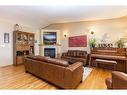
(6, 49)
(113, 28)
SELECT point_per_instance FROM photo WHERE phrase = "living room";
(63, 47)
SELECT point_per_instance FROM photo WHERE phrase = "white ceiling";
(40, 16)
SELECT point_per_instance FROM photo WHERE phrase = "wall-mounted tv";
(49, 38)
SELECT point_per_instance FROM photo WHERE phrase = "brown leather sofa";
(55, 71)
(118, 81)
(77, 56)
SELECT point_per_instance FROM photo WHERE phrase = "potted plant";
(92, 43)
(120, 43)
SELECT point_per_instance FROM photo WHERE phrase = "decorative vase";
(16, 27)
(93, 45)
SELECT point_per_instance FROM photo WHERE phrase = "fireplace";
(50, 52)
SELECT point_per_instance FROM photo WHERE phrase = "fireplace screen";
(49, 52)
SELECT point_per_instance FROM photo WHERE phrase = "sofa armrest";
(73, 75)
(64, 54)
(119, 80)
(75, 66)
(88, 59)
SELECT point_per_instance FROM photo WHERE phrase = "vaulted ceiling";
(40, 16)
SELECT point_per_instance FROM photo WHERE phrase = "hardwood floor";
(12, 77)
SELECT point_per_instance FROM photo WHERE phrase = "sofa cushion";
(50, 60)
(80, 59)
(74, 59)
(77, 55)
(70, 53)
(64, 54)
(70, 60)
(81, 54)
(74, 53)
(57, 62)
(39, 58)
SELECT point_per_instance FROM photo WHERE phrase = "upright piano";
(115, 54)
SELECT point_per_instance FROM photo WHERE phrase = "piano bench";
(107, 64)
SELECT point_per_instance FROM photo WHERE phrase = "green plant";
(120, 43)
(92, 43)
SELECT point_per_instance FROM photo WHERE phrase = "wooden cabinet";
(23, 44)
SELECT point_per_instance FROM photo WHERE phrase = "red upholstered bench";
(107, 64)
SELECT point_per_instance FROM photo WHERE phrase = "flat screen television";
(49, 38)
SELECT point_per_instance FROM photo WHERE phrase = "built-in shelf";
(23, 44)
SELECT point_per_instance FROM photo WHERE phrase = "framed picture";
(78, 41)
(50, 38)
(6, 37)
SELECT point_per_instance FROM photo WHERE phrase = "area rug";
(86, 72)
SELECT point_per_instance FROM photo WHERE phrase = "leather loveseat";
(117, 81)
(77, 56)
(55, 71)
